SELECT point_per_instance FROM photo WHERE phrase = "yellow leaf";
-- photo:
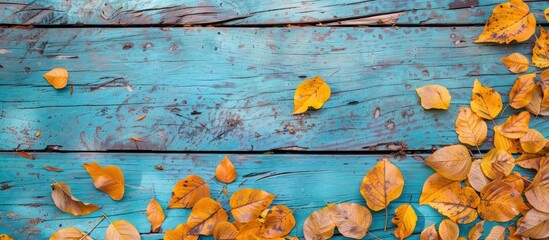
(141, 117)
(448, 230)
(69, 233)
(188, 191)
(434, 186)
(225, 171)
(540, 53)
(497, 233)
(471, 129)
(533, 141)
(521, 93)
(516, 125)
(452, 162)
(532, 161)
(434, 97)
(249, 231)
(500, 202)
(516, 63)
(279, 221)
(37, 134)
(476, 177)
(497, 164)
(535, 106)
(485, 101)
(313, 92)
(534, 225)
(381, 185)
(109, 179)
(136, 139)
(57, 77)
(509, 21)
(538, 191)
(247, 204)
(319, 225)
(545, 100)
(155, 215)
(405, 218)
(429, 233)
(5, 237)
(515, 180)
(351, 219)
(225, 231)
(122, 230)
(205, 215)
(66, 202)
(476, 231)
(179, 233)
(504, 143)
(546, 13)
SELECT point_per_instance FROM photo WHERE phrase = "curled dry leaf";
(351, 219)
(313, 92)
(381, 185)
(225, 171)
(179, 233)
(497, 233)
(109, 179)
(247, 204)
(476, 177)
(535, 225)
(66, 202)
(434, 97)
(57, 77)
(533, 141)
(535, 106)
(516, 125)
(540, 53)
(319, 225)
(497, 164)
(405, 218)
(521, 93)
(452, 162)
(516, 63)
(471, 129)
(188, 191)
(504, 143)
(205, 215)
(69, 233)
(429, 233)
(500, 202)
(122, 230)
(476, 231)
(155, 215)
(485, 101)
(538, 191)
(225, 231)
(509, 21)
(279, 221)
(448, 230)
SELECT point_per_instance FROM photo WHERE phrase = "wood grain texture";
(303, 182)
(232, 89)
(251, 12)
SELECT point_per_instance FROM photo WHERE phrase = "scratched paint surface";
(301, 182)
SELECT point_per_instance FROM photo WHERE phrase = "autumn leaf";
(26, 155)
(516, 125)
(515, 180)
(538, 191)
(516, 63)
(485, 101)
(521, 93)
(179, 233)
(248, 230)
(352, 220)
(512, 233)
(122, 230)
(540, 53)
(381, 185)
(448, 230)
(279, 221)
(205, 215)
(69, 233)
(188, 191)
(52, 168)
(452, 162)
(225, 171)
(476, 231)
(66, 202)
(141, 117)
(5, 237)
(429, 233)
(155, 215)
(497, 164)
(37, 134)
(535, 106)
(534, 225)
(134, 138)
(405, 218)
(109, 179)
(434, 186)
(497, 233)
(225, 231)
(531, 160)
(471, 129)
(533, 141)
(509, 21)
(246, 204)
(319, 225)
(500, 202)
(57, 77)
(434, 97)
(313, 92)
(504, 143)
(476, 177)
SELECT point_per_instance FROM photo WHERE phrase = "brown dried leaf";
(476, 177)
(532, 160)
(26, 155)
(319, 225)
(188, 191)
(141, 117)
(538, 191)
(497, 233)
(534, 225)
(500, 202)
(534, 107)
(476, 231)
(352, 220)
(53, 169)
(66, 202)
(429, 233)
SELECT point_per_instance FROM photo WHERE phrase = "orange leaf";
(540, 53)
(69, 233)
(452, 162)
(546, 13)
(57, 77)
(500, 202)
(109, 179)
(521, 93)
(533, 141)
(247, 204)
(319, 225)
(5, 237)
(53, 169)
(351, 219)
(122, 230)
(249, 231)
(141, 117)
(509, 21)
(225, 171)
(225, 230)
(155, 215)
(313, 92)
(535, 106)
(516, 125)
(224, 191)
(516, 63)
(188, 191)
(532, 161)
(538, 191)
(476, 177)
(497, 164)
(512, 233)
(485, 101)
(179, 233)
(476, 231)
(448, 230)
(504, 143)
(26, 155)
(381, 185)
(471, 129)
(66, 202)
(405, 218)
(534, 225)
(434, 186)
(205, 215)
(37, 134)
(278, 222)
(434, 97)
(429, 233)
(136, 139)
(497, 233)
(515, 180)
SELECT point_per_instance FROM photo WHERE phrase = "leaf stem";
(106, 217)
(503, 111)
(478, 149)
(93, 228)
(386, 219)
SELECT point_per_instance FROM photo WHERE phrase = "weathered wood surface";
(251, 12)
(303, 182)
(232, 89)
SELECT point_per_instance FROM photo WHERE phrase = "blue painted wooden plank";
(249, 12)
(232, 88)
(303, 182)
